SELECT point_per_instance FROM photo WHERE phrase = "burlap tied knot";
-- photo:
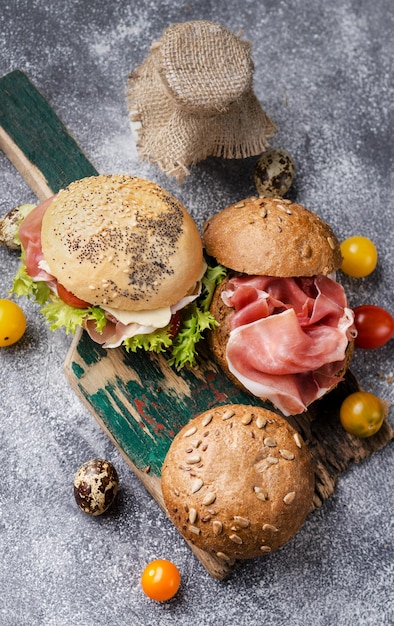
(193, 98)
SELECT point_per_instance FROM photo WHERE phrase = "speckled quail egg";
(95, 486)
(274, 173)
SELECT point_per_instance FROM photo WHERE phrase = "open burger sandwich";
(122, 258)
(238, 481)
(285, 331)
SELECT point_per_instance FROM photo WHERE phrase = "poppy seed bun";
(238, 481)
(218, 337)
(121, 241)
(272, 237)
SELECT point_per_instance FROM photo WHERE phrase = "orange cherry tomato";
(12, 323)
(362, 414)
(359, 256)
(70, 299)
(160, 580)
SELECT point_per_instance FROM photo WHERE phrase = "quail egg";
(274, 173)
(95, 486)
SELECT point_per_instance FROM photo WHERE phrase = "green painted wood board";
(32, 126)
(143, 401)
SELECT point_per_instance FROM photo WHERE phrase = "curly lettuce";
(196, 319)
(181, 350)
(57, 313)
(61, 315)
(24, 286)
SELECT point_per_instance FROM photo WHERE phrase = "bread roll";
(272, 237)
(121, 241)
(238, 481)
(285, 331)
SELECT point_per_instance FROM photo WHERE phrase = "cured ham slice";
(288, 337)
(114, 332)
(30, 236)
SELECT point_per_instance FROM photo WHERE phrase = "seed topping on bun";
(272, 237)
(238, 481)
(122, 241)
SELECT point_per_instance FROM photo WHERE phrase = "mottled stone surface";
(323, 72)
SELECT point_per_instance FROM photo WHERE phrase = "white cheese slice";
(43, 265)
(157, 317)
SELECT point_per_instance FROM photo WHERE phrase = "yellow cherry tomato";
(160, 580)
(362, 414)
(12, 323)
(359, 256)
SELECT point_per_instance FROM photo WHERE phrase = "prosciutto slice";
(288, 337)
(30, 236)
(114, 332)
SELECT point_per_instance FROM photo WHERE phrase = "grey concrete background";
(324, 73)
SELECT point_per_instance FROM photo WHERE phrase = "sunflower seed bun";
(238, 481)
(285, 331)
(121, 241)
(272, 237)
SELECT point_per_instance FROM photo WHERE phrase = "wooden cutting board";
(139, 401)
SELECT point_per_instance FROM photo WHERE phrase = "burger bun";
(121, 241)
(238, 481)
(272, 237)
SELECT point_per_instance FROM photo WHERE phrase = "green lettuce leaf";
(60, 315)
(195, 322)
(57, 313)
(23, 285)
(196, 319)
(157, 341)
(181, 350)
(212, 278)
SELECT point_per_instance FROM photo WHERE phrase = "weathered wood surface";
(142, 403)
(137, 399)
(35, 140)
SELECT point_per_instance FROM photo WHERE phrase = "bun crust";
(218, 337)
(122, 241)
(272, 237)
(238, 481)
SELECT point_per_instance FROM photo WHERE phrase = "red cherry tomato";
(375, 326)
(70, 299)
(160, 580)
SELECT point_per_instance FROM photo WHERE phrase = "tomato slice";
(175, 324)
(375, 326)
(70, 299)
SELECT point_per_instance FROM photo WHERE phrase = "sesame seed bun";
(238, 481)
(121, 241)
(272, 237)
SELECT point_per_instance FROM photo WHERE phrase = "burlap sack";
(193, 98)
